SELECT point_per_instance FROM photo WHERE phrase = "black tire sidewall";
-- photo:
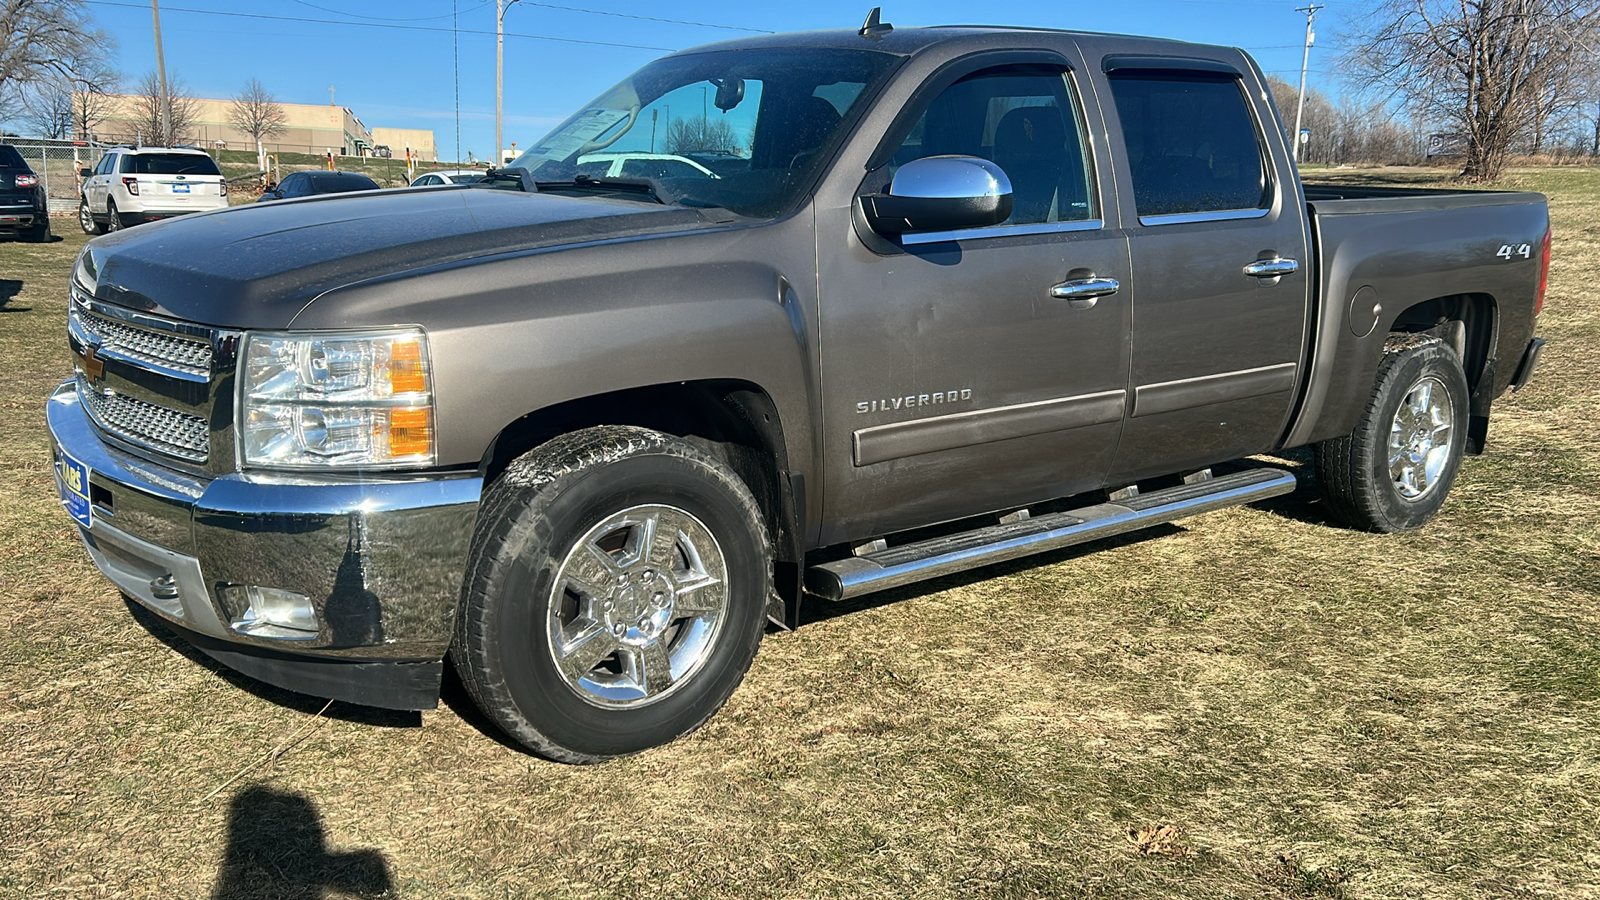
(517, 646)
(1399, 375)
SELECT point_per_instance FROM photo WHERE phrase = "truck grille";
(186, 354)
(146, 424)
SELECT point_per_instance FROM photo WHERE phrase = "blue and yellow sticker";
(74, 477)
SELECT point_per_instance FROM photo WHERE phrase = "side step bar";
(894, 567)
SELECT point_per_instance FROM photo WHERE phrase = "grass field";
(1250, 704)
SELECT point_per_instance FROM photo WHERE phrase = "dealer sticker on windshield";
(74, 477)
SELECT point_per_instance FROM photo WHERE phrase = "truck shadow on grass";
(345, 712)
(278, 848)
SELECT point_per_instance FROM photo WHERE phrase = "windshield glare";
(740, 129)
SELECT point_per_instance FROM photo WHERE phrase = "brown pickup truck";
(794, 316)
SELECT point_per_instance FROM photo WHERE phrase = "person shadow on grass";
(277, 849)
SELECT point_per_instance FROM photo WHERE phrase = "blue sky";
(395, 62)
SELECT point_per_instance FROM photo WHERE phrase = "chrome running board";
(894, 567)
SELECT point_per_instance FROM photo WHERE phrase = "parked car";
(641, 165)
(382, 151)
(317, 181)
(24, 209)
(131, 185)
(448, 176)
(978, 293)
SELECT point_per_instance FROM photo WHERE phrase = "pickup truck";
(954, 296)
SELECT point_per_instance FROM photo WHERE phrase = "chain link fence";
(57, 162)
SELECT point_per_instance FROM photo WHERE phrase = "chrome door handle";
(1083, 292)
(1272, 268)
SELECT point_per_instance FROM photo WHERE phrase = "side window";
(1024, 120)
(126, 167)
(1192, 143)
(106, 162)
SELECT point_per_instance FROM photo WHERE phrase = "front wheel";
(1393, 471)
(86, 219)
(615, 595)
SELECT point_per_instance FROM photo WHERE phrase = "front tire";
(1393, 472)
(86, 219)
(615, 596)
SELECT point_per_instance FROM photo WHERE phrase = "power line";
(340, 12)
(601, 12)
(427, 28)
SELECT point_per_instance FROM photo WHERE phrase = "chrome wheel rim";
(85, 219)
(1420, 438)
(637, 605)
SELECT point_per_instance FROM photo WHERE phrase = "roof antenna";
(872, 27)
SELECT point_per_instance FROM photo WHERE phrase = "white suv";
(142, 184)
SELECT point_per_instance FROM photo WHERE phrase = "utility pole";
(161, 77)
(500, 7)
(1305, 60)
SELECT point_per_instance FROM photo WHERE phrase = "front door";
(954, 382)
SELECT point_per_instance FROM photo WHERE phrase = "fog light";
(272, 613)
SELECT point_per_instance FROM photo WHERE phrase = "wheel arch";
(1469, 323)
(736, 421)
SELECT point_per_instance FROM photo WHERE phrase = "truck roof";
(908, 41)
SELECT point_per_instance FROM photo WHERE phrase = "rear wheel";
(1393, 472)
(113, 218)
(615, 595)
(40, 232)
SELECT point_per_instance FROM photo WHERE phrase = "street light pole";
(161, 76)
(500, 7)
(1305, 60)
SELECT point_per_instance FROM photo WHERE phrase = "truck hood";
(257, 266)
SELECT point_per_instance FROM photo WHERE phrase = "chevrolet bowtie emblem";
(92, 365)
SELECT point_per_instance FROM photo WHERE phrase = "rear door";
(954, 383)
(1220, 259)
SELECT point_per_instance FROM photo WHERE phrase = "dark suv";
(23, 209)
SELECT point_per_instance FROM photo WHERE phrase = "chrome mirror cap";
(950, 177)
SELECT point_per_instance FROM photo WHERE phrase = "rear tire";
(113, 218)
(615, 596)
(40, 232)
(1393, 472)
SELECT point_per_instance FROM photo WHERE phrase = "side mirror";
(941, 193)
(85, 173)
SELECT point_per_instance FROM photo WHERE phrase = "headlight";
(349, 400)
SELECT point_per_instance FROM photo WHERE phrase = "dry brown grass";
(1268, 705)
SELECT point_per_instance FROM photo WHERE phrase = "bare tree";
(49, 109)
(1321, 119)
(1485, 68)
(701, 135)
(184, 111)
(41, 38)
(256, 112)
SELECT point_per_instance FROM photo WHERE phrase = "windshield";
(740, 129)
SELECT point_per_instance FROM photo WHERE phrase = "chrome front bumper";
(382, 559)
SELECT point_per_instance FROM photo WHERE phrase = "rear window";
(10, 158)
(1192, 143)
(339, 183)
(168, 164)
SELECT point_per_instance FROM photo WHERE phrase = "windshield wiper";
(646, 186)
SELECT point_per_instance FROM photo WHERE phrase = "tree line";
(57, 81)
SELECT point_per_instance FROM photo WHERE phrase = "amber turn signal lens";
(405, 368)
(410, 432)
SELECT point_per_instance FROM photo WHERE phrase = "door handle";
(1272, 268)
(1082, 293)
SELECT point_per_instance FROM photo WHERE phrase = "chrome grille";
(186, 354)
(146, 424)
